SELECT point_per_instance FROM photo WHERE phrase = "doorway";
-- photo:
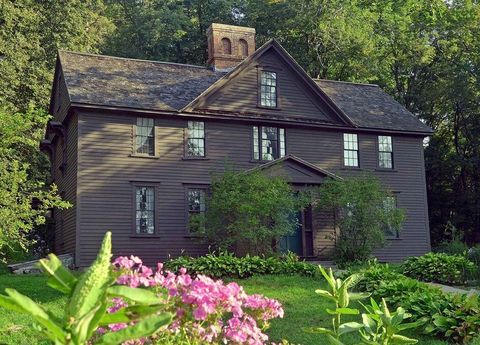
(300, 241)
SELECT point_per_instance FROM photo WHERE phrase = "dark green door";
(293, 242)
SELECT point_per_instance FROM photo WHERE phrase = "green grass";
(303, 308)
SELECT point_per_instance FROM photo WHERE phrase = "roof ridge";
(345, 82)
(133, 59)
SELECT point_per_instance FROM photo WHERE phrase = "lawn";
(303, 308)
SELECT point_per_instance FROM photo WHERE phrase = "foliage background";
(425, 53)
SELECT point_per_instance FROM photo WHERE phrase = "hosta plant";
(339, 294)
(89, 298)
(382, 327)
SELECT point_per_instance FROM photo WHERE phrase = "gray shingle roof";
(141, 84)
(370, 107)
(112, 81)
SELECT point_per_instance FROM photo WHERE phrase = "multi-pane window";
(196, 208)
(268, 143)
(144, 210)
(390, 203)
(350, 150)
(268, 89)
(144, 137)
(385, 152)
(196, 139)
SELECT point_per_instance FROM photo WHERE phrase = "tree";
(363, 212)
(31, 32)
(248, 212)
(24, 199)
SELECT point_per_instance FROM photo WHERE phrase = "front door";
(293, 242)
(300, 241)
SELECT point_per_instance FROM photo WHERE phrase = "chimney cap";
(230, 28)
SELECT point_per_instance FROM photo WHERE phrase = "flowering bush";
(205, 310)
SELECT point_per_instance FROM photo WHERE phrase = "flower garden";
(257, 301)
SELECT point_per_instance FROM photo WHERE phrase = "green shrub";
(452, 317)
(473, 255)
(439, 268)
(455, 247)
(227, 264)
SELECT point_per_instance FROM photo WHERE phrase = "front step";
(30, 267)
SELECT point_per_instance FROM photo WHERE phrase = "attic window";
(268, 89)
(227, 46)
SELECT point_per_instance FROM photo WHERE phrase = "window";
(196, 206)
(196, 139)
(144, 210)
(268, 89)
(226, 46)
(385, 152)
(268, 143)
(350, 150)
(390, 203)
(144, 137)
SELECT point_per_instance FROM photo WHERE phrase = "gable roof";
(309, 172)
(371, 107)
(287, 58)
(100, 80)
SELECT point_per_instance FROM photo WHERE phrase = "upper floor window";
(196, 207)
(195, 139)
(144, 209)
(390, 203)
(144, 137)
(385, 152)
(268, 143)
(350, 150)
(226, 46)
(268, 89)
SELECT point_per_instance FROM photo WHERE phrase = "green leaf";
(333, 341)
(347, 311)
(397, 339)
(8, 303)
(128, 314)
(368, 323)
(355, 296)
(137, 295)
(143, 328)
(349, 327)
(60, 278)
(36, 311)
(318, 330)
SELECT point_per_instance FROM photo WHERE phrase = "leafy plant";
(88, 300)
(363, 216)
(454, 247)
(247, 211)
(339, 294)
(439, 267)
(225, 264)
(382, 327)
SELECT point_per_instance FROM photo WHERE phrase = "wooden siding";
(106, 172)
(65, 220)
(295, 99)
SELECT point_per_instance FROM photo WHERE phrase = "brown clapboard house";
(133, 145)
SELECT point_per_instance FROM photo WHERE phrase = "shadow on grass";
(33, 286)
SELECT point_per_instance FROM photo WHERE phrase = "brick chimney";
(228, 45)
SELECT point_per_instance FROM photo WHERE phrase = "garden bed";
(303, 308)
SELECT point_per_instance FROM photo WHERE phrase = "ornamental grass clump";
(206, 310)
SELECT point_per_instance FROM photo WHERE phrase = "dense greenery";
(440, 268)
(449, 316)
(88, 300)
(227, 264)
(362, 215)
(248, 212)
(24, 199)
(303, 308)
